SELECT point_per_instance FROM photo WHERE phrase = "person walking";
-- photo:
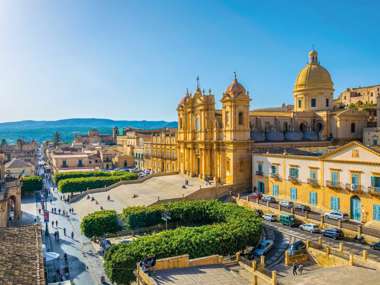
(72, 235)
(59, 211)
(64, 231)
(300, 269)
(294, 269)
(52, 224)
(56, 223)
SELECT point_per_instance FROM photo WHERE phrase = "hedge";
(98, 223)
(83, 174)
(82, 184)
(31, 183)
(231, 229)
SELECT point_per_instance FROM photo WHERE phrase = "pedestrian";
(39, 211)
(65, 257)
(56, 224)
(294, 268)
(108, 197)
(64, 231)
(59, 211)
(52, 224)
(300, 269)
(72, 235)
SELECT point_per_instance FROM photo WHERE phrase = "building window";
(334, 178)
(313, 174)
(64, 163)
(299, 103)
(274, 169)
(197, 124)
(80, 163)
(376, 212)
(313, 198)
(313, 102)
(275, 190)
(334, 203)
(293, 194)
(327, 102)
(375, 183)
(227, 123)
(355, 179)
(260, 167)
(293, 172)
(180, 123)
(353, 127)
(241, 118)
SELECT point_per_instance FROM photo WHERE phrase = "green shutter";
(373, 181)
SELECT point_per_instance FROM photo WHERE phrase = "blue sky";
(135, 59)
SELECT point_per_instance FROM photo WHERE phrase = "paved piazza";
(342, 275)
(211, 275)
(164, 187)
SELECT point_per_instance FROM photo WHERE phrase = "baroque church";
(217, 144)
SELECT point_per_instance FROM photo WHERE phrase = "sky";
(133, 60)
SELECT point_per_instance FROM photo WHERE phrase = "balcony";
(293, 179)
(313, 182)
(333, 184)
(353, 187)
(275, 176)
(374, 190)
(259, 173)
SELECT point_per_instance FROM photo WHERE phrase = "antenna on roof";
(198, 82)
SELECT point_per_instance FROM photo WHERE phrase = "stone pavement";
(210, 275)
(148, 192)
(342, 275)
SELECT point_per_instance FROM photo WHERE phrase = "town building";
(346, 178)
(94, 137)
(217, 144)
(163, 151)
(371, 136)
(10, 197)
(26, 151)
(19, 167)
(360, 95)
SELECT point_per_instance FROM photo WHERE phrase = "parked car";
(336, 215)
(333, 233)
(268, 198)
(259, 212)
(288, 220)
(270, 217)
(286, 204)
(255, 196)
(297, 247)
(311, 228)
(376, 246)
(263, 248)
(302, 208)
(105, 244)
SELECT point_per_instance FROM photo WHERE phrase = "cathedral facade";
(217, 144)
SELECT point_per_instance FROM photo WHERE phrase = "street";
(84, 264)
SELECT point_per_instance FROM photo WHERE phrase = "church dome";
(313, 75)
(235, 89)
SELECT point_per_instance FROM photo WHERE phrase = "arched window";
(180, 123)
(241, 118)
(353, 128)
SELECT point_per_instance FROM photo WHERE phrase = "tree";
(4, 142)
(56, 138)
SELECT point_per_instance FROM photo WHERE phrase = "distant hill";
(43, 130)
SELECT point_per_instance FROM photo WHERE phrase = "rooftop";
(21, 260)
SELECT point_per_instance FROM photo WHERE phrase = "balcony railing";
(313, 182)
(293, 179)
(259, 173)
(374, 190)
(275, 176)
(333, 184)
(353, 187)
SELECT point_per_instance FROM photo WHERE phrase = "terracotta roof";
(21, 259)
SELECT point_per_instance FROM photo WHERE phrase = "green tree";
(56, 138)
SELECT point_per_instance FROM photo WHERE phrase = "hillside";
(43, 130)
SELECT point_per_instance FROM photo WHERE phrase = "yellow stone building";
(346, 178)
(163, 151)
(217, 144)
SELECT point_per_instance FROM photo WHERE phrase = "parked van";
(287, 220)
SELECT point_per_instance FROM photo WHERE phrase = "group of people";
(297, 268)
(147, 263)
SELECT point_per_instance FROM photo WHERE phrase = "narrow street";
(84, 264)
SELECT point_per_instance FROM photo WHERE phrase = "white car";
(311, 228)
(286, 204)
(269, 217)
(336, 215)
